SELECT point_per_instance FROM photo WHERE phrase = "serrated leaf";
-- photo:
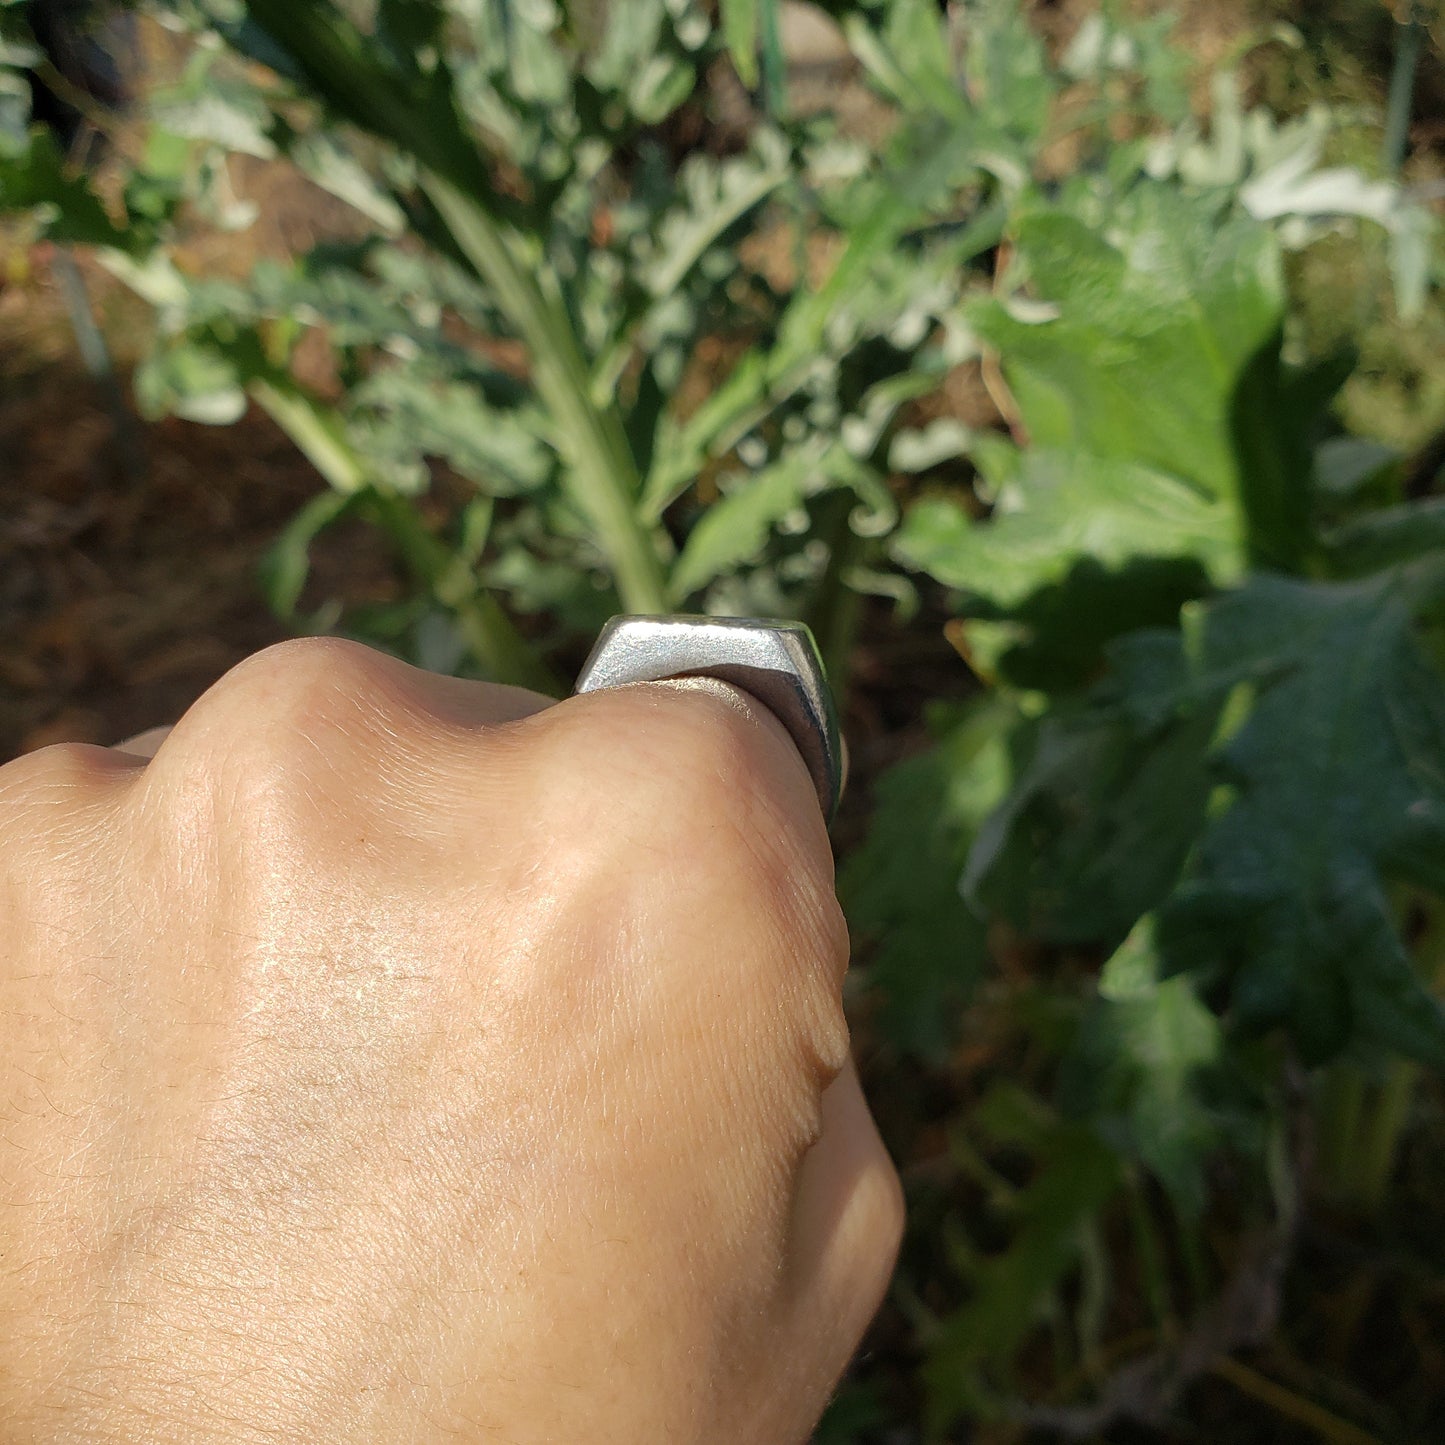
(1108, 797)
(406, 416)
(735, 529)
(1059, 507)
(1134, 1067)
(1152, 324)
(38, 180)
(926, 949)
(1338, 780)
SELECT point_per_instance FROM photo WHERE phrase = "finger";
(848, 1221)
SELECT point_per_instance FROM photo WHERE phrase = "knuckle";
(298, 706)
(60, 773)
(276, 749)
(306, 681)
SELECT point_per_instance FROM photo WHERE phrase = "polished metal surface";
(775, 662)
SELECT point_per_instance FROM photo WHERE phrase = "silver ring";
(775, 662)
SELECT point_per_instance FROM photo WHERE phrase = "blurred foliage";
(1176, 855)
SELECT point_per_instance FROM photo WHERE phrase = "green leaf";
(741, 26)
(1059, 507)
(405, 415)
(735, 529)
(1338, 787)
(1057, 640)
(38, 180)
(192, 381)
(1134, 1068)
(1011, 1289)
(287, 563)
(1147, 328)
(1108, 797)
(925, 948)
(1381, 539)
(1155, 339)
(911, 57)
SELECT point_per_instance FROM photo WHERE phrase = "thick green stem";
(316, 433)
(420, 117)
(601, 471)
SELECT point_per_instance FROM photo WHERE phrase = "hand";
(392, 1058)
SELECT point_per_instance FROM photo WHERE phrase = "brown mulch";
(124, 597)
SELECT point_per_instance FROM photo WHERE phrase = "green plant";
(1178, 868)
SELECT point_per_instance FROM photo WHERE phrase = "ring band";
(777, 663)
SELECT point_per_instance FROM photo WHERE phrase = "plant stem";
(316, 433)
(1292, 1406)
(601, 472)
(1360, 1146)
(834, 607)
(1341, 1102)
(1380, 1147)
(489, 632)
(1410, 42)
(1151, 1256)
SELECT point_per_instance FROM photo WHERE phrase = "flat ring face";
(775, 662)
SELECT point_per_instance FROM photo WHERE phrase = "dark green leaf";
(1134, 1068)
(925, 947)
(1107, 800)
(1339, 785)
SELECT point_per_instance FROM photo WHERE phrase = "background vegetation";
(1105, 345)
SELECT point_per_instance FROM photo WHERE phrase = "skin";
(388, 1057)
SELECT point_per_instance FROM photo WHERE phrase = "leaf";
(37, 180)
(819, 323)
(406, 415)
(1135, 1069)
(1151, 323)
(736, 528)
(209, 105)
(1108, 797)
(1056, 641)
(287, 562)
(1060, 507)
(911, 57)
(325, 159)
(1380, 539)
(1338, 787)
(1010, 1289)
(741, 26)
(925, 947)
(192, 381)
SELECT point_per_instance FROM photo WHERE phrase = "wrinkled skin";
(395, 1058)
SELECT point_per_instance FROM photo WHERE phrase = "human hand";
(392, 1058)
